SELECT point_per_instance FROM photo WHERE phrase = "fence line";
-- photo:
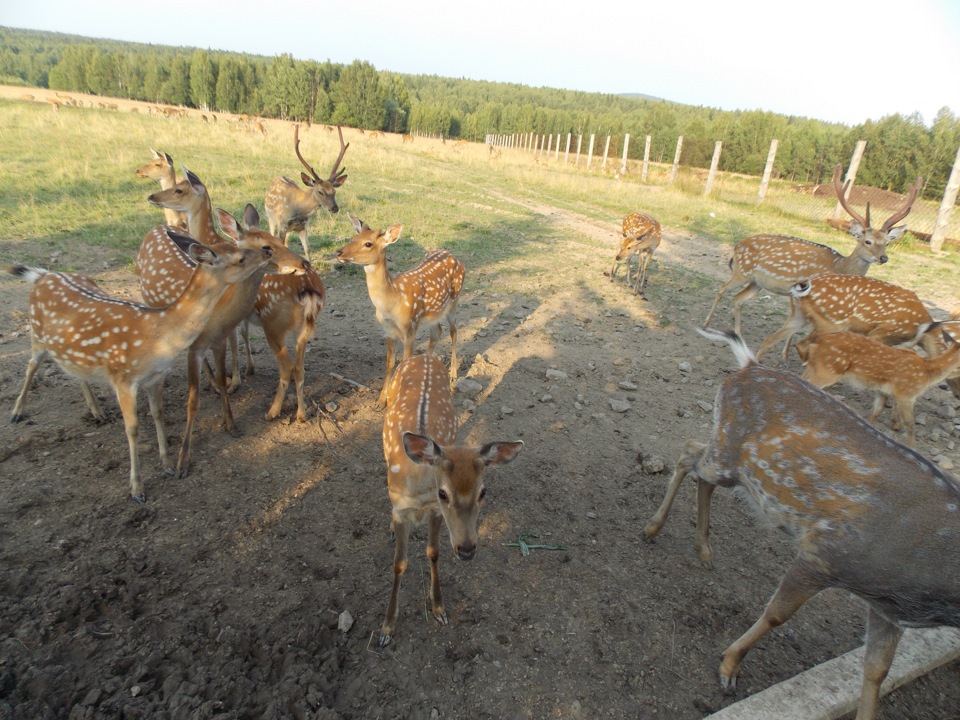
(812, 202)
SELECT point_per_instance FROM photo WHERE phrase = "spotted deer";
(426, 294)
(160, 268)
(286, 304)
(99, 338)
(641, 237)
(430, 478)
(899, 373)
(776, 263)
(869, 515)
(865, 305)
(161, 169)
(289, 208)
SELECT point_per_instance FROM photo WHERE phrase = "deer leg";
(245, 334)
(794, 324)
(692, 453)
(155, 399)
(306, 332)
(304, 243)
(797, 586)
(452, 321)
(220, 358)
(391, 361)
(704, 495)
(127, 398)
(882, 639)
(92, 403)
(735, 280)
(32, 366)
(613, 268)
(193, 404)
(905, 408)
(235, 379)
(285, 368)
(879, 401)
(750, 291)
(401, 532)
(646, 269)
(433, 555)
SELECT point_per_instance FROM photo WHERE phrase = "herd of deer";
(871, 516)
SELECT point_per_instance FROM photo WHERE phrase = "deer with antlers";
(777, 262)
(859, 361)
(641, 237)
(99, 338)
(426, 294)
(880, 310)
(869, 515)
(161, 268)
(289, 208)
(161, 169)
(430, 478)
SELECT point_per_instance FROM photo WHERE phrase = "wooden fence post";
(566, 155)
(851, 176)
(946, 206)
(549, 144)
(623, 163)
(590, 152)
(767, 171)
(713, 167)
(579, 143)
(676, 160)
(606, 151)
(646, 161)
(556, 152)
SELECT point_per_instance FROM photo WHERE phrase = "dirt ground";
(222, 595)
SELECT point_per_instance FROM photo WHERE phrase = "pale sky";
(836, 60)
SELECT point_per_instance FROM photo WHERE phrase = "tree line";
(358, 95)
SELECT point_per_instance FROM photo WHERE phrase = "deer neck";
(939, 367)
(380, 284)
(200, 223)
(853, 264)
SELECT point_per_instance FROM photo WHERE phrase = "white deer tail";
(740, 350)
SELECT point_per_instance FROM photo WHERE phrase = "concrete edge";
(832, 689)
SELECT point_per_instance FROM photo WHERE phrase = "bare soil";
(221, 596)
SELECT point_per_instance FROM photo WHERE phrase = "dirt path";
(221, 596)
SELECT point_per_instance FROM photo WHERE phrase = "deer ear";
(251, 217)
(338, 181)
(357, 223)
(307, 180)
(228, 224)
(896, 232)
(392, 234)
(856, 229)
(421, 449)
(195, 182)
(500, 453)
(156, 155)
(201, 253)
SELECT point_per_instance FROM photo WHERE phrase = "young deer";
(99, 338)
(426, 294)
(777, 262)
(870, 516)
(861, 362)
(430, 478)
(286, 304)
(161, 169)
(160, 267)
(289, 208)
(880, 310)
(641, 237)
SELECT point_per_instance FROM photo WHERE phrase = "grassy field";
(69, 188)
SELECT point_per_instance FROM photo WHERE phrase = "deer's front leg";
(401, 531)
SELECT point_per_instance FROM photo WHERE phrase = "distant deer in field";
(161, 169)
(427, 294)
(99, 338)
(869, 515)
(895, 372)
(641, 237)
(161, 266)
(289, 208)
(777, 262)
(430, 478)
(865, 305)
(404, 139)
